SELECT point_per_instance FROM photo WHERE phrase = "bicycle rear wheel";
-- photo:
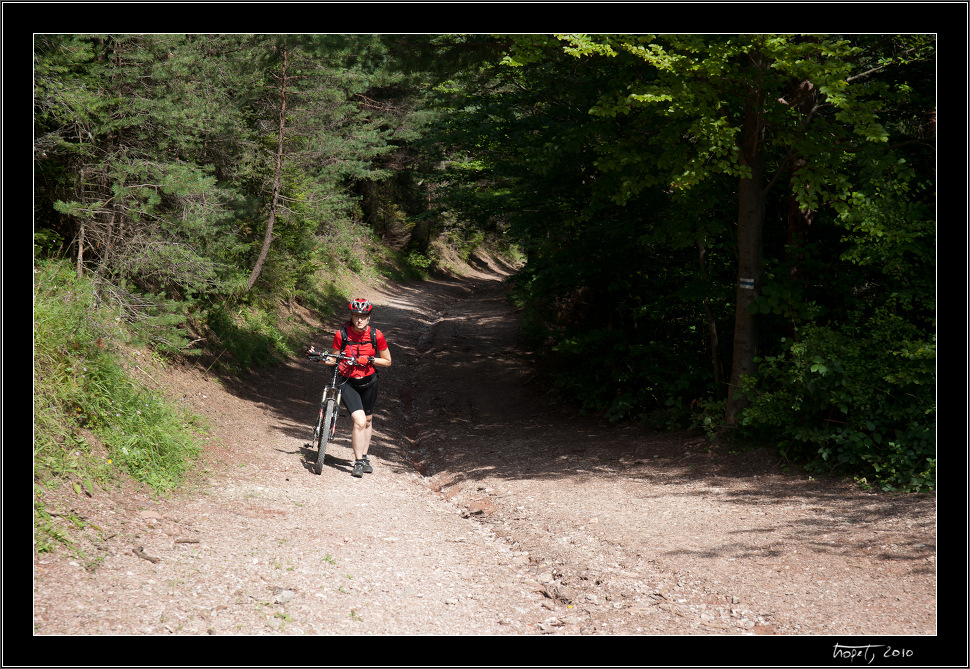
(325, 432)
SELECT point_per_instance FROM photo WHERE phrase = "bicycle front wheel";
(325, 432)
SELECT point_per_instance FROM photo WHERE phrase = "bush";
(859, 402)
(253, 335)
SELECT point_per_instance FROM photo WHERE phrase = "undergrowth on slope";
(92, 419)
(96, 425)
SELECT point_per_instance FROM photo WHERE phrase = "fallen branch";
(140, 552)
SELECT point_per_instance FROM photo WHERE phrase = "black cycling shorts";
(356, 398)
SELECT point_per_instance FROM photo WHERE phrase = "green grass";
(92, 419)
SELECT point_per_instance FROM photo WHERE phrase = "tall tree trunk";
(277, 181)
(751, 212)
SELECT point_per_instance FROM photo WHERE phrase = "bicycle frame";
(327, 418)
(332, 390)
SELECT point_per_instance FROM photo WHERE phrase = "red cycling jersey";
(358, 344)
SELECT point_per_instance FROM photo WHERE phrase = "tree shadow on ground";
(463, 397)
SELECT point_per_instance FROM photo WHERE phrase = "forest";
(728, 233)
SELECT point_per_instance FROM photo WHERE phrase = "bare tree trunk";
(277, 181)
(751, 212)
(80, 252)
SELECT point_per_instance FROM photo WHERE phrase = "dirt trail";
(493, 510)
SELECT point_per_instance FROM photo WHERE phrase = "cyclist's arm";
(383, 358)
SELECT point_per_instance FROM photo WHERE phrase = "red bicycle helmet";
(360, 306)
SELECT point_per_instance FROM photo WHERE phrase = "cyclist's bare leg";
(361, 435)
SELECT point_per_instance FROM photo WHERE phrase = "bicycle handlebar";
(339, 357)
(326, 356)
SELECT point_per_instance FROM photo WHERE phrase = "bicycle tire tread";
(324, 438)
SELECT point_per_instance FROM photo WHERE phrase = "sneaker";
(358, 469)
(367, 467)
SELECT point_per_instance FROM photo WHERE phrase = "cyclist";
(369, 347)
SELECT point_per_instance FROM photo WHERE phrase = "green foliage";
(154, 165)
(860, 401)
(611, 161)
(159, 152)
(252, 336)
(142, 432)
(629, 155)
(46, 243)
(623, 325)
(47, 534)
(890, 239)
(418, 263)
(81, 386)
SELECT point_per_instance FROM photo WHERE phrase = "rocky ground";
(493, 510)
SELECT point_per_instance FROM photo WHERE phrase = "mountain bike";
(329, 405)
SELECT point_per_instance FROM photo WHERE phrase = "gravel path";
(493, 510)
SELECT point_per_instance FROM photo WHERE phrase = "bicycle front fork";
(328, 394)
